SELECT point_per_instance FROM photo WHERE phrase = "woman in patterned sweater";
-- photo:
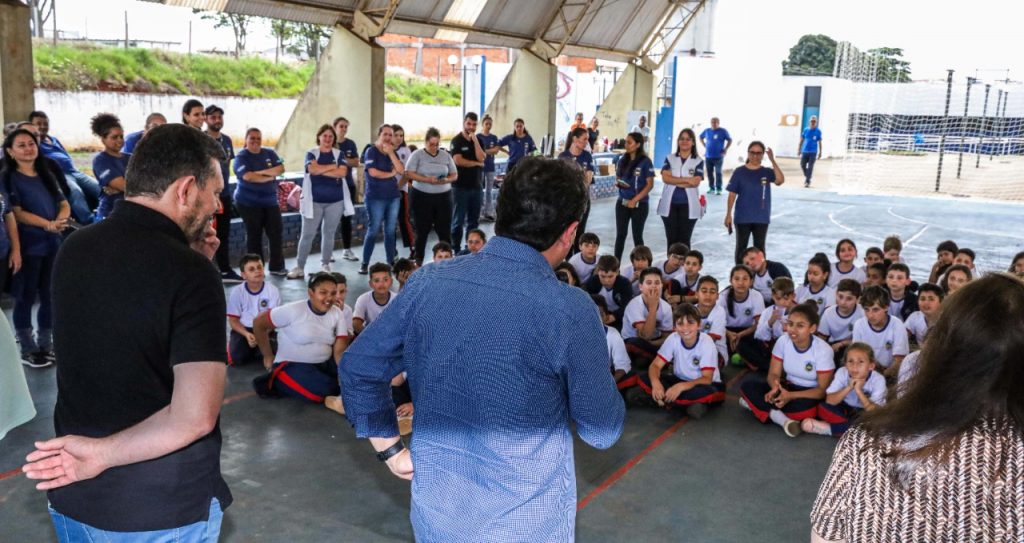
(945, 461)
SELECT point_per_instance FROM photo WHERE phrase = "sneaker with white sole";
(815, 426)
(296, 273)
(326, 268)
(743, 403)
(349, 255)
(792, 428)
(35, 360)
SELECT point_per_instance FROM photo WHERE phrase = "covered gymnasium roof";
(623, 30)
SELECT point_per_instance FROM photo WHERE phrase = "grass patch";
(84, 67)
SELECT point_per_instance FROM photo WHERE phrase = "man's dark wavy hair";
(539, 200)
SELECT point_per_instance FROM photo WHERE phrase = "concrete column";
(633, 91)
(16, 83)
(348, 82)
(528, 92)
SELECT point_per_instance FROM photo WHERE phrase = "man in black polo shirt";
(139, 332)
(466, 190)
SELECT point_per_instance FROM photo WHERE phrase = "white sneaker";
(792, 428)
(778, 417)
(815, 426)
(326, 268)
(349, 255)
(296, 273)
(744, 404)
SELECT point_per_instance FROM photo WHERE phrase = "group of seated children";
(670, 330)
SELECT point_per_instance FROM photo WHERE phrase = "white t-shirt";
(248, 305)
(678, 275)
(744, 311)
(627, 272)
(907, 370)
(368, 309)
(609, 298)
(347, 312)
(835, 276)
(826, 297)
(874, 388)
(636, 314)
(617, 350)
(687, 364)
(837, 327)
(802, 367)
(304, 336)
(763, 284)
(917, 326)
(583, 268)
(888, 342)
(775, 331)
(896, 306)
(714, 326)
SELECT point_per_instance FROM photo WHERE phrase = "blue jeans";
(467, 213)
(807, 165)
(85, 196)
(380, 213)
(71, 531)
(713, 167)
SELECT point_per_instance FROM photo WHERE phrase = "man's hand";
(209, 244)
(401, 465)
(64, 460)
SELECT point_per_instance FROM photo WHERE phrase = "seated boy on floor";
(945, 253)
(837, 322)
(929, 302)
(872, 256)
(902, 301)
(885, 333)
(876, 275)
(695, 381)
(622, 369)
(639, 259)
(403, 268)
(245, 303)
(891, 249)
(612, 287)
(646, 321)
(675, 289)
(756, 349)
(765, 271)
(672, 266)
(370, 305)
(585, 261)
(693, 264)
(442, 250)
(712, 315)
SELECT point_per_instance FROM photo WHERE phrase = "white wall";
(70, 113)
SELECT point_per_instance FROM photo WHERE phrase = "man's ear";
(568, 236)
(181, 188)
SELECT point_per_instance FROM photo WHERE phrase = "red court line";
(240, 396)
(9, 474)
(736, 378)
(614, 478)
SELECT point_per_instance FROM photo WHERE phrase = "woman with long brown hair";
(944, 461)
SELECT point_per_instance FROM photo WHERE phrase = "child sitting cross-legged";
(806, 361)
(857, 387)
(610, 286)
(712, 315)
(883, 332)
(756, 350)
(245, 303)
(837, 323)
(647, 320)
(694, 382)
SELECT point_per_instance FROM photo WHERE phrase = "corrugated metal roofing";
(611, 29)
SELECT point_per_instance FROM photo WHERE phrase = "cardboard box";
(605, 169)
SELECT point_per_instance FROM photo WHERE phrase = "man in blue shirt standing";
(716, 141)
(495, 390)
(810, 149)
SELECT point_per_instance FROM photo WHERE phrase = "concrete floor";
(298, 473)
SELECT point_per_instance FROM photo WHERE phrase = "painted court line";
(831, 217)
(908, 219)
(614, 478)
(915, 236)
(9, 474)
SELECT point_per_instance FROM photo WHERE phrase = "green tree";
(891, 66)
(284, 33)
(813, 54)
(239, 25)
(310, 39)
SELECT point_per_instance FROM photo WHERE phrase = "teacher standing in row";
(750, 190)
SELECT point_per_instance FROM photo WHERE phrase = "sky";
(935, 35)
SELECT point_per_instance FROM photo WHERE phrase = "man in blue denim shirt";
(501, 357)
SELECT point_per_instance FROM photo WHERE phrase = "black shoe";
(281, 272)
(229, 276)
(363, 270)
(807, 184)
(261, 384)
(35, 360)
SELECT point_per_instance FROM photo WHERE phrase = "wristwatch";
(386, 454)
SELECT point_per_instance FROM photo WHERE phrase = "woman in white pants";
(325, 199)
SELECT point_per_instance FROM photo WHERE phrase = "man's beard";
(195, 226)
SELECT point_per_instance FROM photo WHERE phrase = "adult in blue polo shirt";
(110, 164)
(504, 429)
(635, 178)
(214, 123)
(518, 144)
(716, 141)
(350, 151)
(84, 190)
(256, 198)
(577, 153)
(810, 149)
(131, 140)
(750, 189)
(382, 196)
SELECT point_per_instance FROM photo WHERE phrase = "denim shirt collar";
(518, 251)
